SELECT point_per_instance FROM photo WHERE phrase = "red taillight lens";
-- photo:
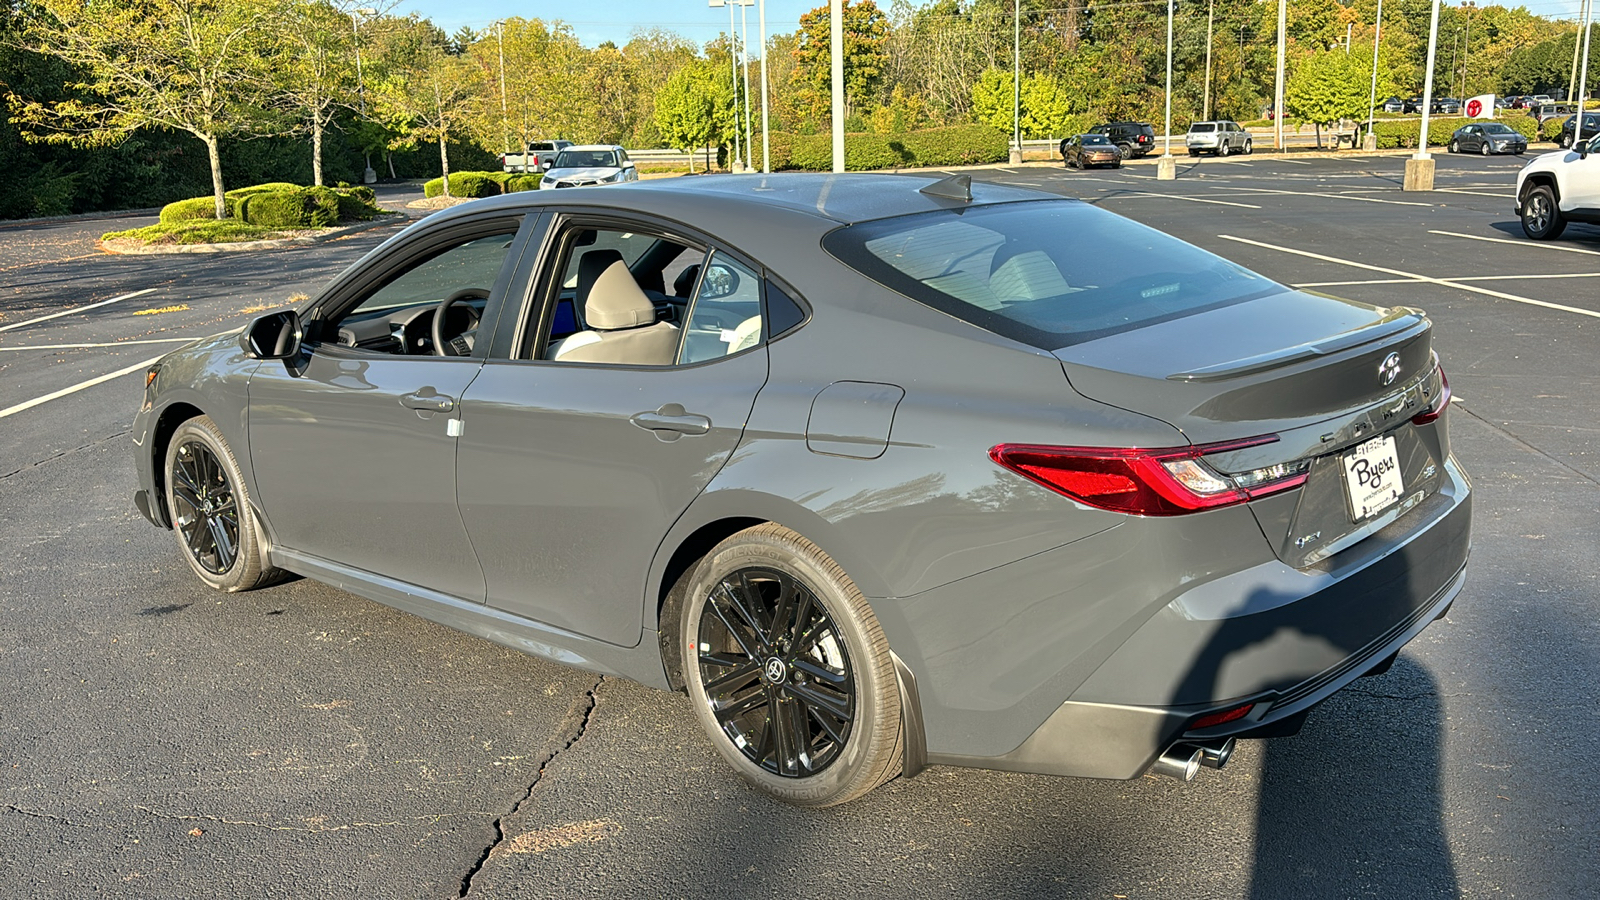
(1221, 718)
(1437, 410)
(1165, 482)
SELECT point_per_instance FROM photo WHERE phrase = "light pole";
(1277, 91)
(1577, 42)
(367, 175)
(836, 76)
(1016, 82)
(766, 155)
(1583, 74)
(1211, 15)
(733, 68)
(505, 126)
(1371, 141)
(1167, 167)
(1466, 47)
(1419, 168)
(744, 63)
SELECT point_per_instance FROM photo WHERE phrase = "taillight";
(1437, 410)
(1221, 718)
(1164, 482)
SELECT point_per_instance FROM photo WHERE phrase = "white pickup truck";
(540, 154)
(1561, 187)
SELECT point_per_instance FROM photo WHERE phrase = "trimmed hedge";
(1404, 134)
(955, 145)
(519, 182)
(280, 205)
(468, 185)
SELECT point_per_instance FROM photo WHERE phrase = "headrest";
(616, 302)
(590, 265)
(683, 285)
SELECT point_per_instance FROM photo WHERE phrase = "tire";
(1126, 150)
(841, 690)
(1541, 216)
(1193, 153)
(211, 510)
(1483, 149)
(1455, 146)
(1565, 142)
(1247, 148)
(1223, 149)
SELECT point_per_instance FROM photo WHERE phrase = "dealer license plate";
(1372, 474)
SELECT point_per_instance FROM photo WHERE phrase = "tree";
(1332, 85)
(319, 76)
(866, 31)
(428, 97)
(198, 66)
(694, 107)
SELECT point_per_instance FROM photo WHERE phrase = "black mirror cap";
(275, 335)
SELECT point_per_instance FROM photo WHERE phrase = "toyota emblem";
(776, 671)
(1474, 109)
(1389, 369)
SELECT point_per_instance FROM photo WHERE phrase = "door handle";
(427, 402)
(670, 421)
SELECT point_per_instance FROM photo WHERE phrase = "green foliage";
(1047, 107)
(206, 231)
(1330, 86)
(469, 184)
(280, 205)
(866, 34)
(695, 106)
(1397, 135)
(517, 183)
(956, 145)
(188, 210)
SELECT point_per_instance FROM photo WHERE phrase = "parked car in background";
(1561, 187)
(1084, 150)
(1517, 101)
(1140, 503)
(1394, 105)
(1487, 138)
(1545, 111)
(1446, 106)
(1135, 139)
(1537, 99)
(1412, 105)
(1220, 137)
(540, 154)
(589, 164)
(1591, 127)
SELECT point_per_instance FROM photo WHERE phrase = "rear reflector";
(1164, 482)
(1437, 410)
(1221, 718)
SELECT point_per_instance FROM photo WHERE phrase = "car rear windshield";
(1096, 139)
(1202, 127)
(585, 159)
(1050, 273)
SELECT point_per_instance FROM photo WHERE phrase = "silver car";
(589, 164)
(882, 471)
(1221, 137)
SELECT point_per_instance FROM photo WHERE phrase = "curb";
(243, 246)
(80, 217)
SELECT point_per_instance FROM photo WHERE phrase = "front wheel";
(1247, 148)
(1484, 148)
(1541, 217)
(211, 510)
(1455, 147)
(788, 670)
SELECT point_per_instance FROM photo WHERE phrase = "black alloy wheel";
(205, 510)
(210, 510)
(1541, 217)
(776, 672)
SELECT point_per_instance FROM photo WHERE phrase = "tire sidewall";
(247, 563)
(877, 692)
(1554, 227)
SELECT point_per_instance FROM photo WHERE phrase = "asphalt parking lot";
(159, 740)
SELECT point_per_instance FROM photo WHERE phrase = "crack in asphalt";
(1526, 445)
(307, 829)
(572, 729)
(55, 456)
(35, 814)
(1380, 696)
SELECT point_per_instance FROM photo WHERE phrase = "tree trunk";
(316, 148)
(1318, 127)
(216, 175)
(388, 156)
(444, 163)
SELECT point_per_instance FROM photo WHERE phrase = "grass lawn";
(196, 231)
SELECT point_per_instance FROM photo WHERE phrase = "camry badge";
(1389, 369)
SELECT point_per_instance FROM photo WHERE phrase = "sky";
(595, 21)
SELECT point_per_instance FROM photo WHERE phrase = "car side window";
(725, 317)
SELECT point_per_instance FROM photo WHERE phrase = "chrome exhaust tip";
(1216, 756)
(1181, 761)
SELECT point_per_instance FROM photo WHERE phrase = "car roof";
(593, 147)
(844, 198)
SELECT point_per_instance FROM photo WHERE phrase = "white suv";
(1220, 137)
(1558, 188)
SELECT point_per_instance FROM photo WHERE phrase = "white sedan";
(589, 164)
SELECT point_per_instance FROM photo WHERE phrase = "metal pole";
(1167, 139)
(836, 72)
(1372, 98)
(1349, 27)
(1427, 81)
(1211, 15)
(1016, 78)
(1466, 48)
(1583, 73)
(733, 62)
(367, 175)
(505, 126)
(766, 154)
(1572, 80)
(1277, 92)
(744, 62)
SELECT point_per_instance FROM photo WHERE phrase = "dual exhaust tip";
(1183, 761)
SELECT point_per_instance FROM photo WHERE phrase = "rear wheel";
(210, 509)
(788, 670)
(1541, 217)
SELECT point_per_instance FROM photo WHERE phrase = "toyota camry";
(881, 471)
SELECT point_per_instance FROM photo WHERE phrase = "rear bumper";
(1128, 681)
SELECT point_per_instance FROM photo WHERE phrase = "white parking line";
(1308, 284)
(82, 385)
(1531, 244)
(1474, 193)
(1522, 277)
(107, 344)
(76, 309)
(1181, 197)
(1313, 284)
(1341, 197)
(1412, 275)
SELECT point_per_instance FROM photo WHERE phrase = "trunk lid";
(1323, 374)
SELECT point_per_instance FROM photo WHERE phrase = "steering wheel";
(460, 344)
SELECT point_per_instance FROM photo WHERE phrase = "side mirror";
(273, 336)
(718, 282)
(547, 164)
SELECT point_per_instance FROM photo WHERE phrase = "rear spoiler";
(1402, 322)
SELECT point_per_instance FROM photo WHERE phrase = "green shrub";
(1403, 135)
(189, 210)
(956, 145)
(466, 184)
(1551, 129)
(275, 209)
(517, 183)
(203, 231)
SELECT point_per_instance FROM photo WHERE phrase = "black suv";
(1134, 139)
(1591, 127)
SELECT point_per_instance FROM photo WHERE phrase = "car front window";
(585, 159)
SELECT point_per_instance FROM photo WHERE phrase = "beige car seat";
(622, 326)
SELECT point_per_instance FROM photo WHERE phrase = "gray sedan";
(883, 472)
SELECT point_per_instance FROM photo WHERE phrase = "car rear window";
(585, 159)
(1202, 127)
(1050, 273)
